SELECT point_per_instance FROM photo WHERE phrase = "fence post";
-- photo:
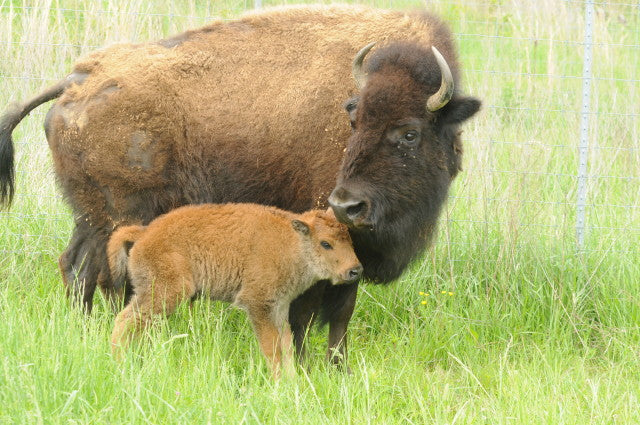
(584, 125)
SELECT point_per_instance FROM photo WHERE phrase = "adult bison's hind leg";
(84, 266)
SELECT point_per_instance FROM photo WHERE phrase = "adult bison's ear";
(301, 226)
(459, 110)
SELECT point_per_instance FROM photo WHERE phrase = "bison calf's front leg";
(275, 343)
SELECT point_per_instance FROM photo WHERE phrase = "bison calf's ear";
(460, 109)
(301, 227)
(331, 214)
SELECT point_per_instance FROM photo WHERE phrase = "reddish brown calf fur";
(258, 258)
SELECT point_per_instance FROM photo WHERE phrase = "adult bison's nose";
(348, 208)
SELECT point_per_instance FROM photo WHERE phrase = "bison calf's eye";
(326, 245)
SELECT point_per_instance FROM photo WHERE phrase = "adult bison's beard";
(386, 250)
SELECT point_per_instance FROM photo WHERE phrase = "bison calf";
(259, 258)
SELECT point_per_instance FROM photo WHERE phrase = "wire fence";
(555, 151)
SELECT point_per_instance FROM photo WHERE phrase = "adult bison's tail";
(14, 114)
(118, 252)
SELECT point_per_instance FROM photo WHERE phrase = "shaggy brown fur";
(245, 111)
(259, 258)
(421, 149)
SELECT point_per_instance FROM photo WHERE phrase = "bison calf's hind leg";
(129, 325)
(150, 300)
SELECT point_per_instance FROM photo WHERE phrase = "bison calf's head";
(402, 155)
(329, 247)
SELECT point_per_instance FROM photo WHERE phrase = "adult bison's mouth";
(385, 239)
(352, 209)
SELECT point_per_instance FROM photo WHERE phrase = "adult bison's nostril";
(348, 208)
(356, 210)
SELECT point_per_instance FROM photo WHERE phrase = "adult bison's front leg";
(302, 312)
(83, 264)
(339, 302)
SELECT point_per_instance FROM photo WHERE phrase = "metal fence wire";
(554, 154)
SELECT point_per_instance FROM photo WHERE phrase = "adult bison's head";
(402, 155)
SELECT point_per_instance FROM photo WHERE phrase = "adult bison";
(252, 110)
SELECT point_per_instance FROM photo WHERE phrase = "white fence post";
(584, 125)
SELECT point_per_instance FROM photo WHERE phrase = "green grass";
(534, 330)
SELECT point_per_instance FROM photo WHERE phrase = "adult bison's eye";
(405, 134)
(326, 245)
(410, 137)
(350, 106)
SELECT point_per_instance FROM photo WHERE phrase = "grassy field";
(504, 321)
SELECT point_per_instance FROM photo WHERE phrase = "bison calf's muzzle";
(354, 274)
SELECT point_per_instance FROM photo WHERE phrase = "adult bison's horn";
(358, 73)
(445, 92)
